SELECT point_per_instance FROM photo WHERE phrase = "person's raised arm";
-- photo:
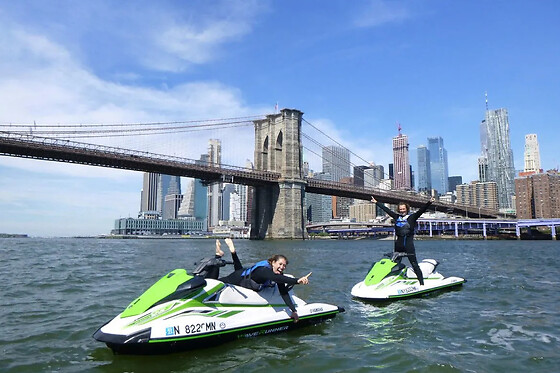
(424, 208)
(391, 213)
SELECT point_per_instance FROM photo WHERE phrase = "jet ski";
(389, 279)
(184, 311)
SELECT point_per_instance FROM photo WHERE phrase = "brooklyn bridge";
(277, 177)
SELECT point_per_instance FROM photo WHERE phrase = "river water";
(57, 292)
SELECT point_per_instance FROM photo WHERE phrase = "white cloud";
(379, 12)
(177, 40)
(43, 81)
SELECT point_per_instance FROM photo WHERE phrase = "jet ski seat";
(427, 266)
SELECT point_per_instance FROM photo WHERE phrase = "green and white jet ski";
(183, 311)
(389, 279)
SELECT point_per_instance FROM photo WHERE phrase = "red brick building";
(538, 195)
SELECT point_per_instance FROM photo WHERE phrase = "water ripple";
(57, 292)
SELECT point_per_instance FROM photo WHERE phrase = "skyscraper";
(359, 175)
(226, 194)
(169, 196)
(336, 162)
(453, 181)
(401, 162)
(538, 196)
(149, 200)
(319, 206)
(424, 173)
(438, 164)
(496, 151)
(532, 155)
(214, 190)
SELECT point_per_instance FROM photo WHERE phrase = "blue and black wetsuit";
(260, 273)
(404, 235)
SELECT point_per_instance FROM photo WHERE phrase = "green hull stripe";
(229, 314)
(195, 302)
(241, 329)
(161, 289)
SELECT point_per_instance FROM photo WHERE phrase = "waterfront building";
(214, 189)
(424, 171)
(538, 196)
(158, 227)
(401, 162)
(532, 155)
(336, 162)
(477, 194)
(438, 164)
(496, 150)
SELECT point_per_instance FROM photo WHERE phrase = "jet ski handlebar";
(395, 255)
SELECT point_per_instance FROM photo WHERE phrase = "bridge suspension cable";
(346, 162)
(127, 129)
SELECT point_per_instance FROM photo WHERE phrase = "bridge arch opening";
(279, 141)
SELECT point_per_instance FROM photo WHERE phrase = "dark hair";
(405, 205)
(276, 257)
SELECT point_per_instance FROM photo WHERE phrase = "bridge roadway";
(51, 149)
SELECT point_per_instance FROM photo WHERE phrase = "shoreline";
(342, 238)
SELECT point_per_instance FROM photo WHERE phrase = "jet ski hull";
(211, 313)
(394, 283)
(129, 344)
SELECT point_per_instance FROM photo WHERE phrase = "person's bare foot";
(229, 243)
(219, 251)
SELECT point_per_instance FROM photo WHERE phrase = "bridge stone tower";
(277, 211)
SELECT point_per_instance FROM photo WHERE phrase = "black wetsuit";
(404, 235)
(261, 275)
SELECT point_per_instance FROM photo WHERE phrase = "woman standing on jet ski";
(264, 273)
(405, 223)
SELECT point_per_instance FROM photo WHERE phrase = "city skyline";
(426, 65)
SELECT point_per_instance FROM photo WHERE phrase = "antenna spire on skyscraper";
(399, 127)
(486, 98)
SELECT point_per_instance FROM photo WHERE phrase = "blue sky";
(355, 68)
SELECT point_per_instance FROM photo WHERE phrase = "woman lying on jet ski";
(405, 223)
(264, 273)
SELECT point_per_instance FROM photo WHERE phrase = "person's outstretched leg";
(236, 262)
(416, 268)
(213, 271)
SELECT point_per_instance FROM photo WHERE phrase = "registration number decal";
(407, 290)
(200, 327)
(190, 329)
